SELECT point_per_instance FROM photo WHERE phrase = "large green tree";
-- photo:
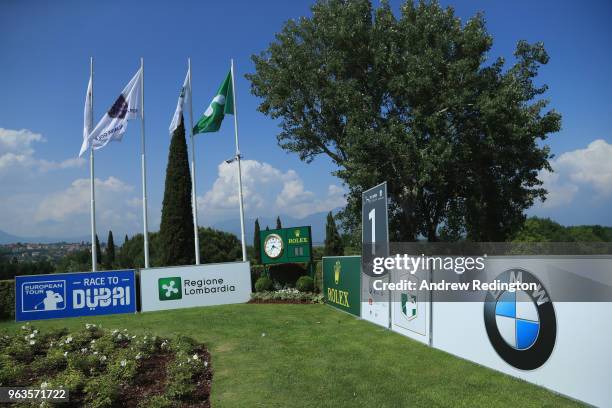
(109, 259)
(417, 101)
(176, 229)
(257, 244)
(98, 251)
(333, 241)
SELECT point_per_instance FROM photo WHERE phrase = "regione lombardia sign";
(195, 285)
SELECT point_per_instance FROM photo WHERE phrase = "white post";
(194, 197)
(143, 170)
(244, 253)
(94, 255)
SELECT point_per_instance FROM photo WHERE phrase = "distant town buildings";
(39, 252)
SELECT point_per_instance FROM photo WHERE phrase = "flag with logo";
(87, 118)
(114, 123)
(184, 96)
(222, 104)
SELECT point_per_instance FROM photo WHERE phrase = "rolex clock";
(273, 246)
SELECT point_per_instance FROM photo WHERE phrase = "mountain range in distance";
(316, 221)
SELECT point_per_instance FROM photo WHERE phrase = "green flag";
(222, 103)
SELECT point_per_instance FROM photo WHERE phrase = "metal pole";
(194, 197)
(244, 254)
(94, 255)
(143, 170)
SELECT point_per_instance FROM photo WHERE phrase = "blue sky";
(44, 67)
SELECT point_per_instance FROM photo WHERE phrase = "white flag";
(87, 119)
(114, 123)
(185, 95)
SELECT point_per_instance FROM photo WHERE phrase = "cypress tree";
(110, 250)
(125, 240)
(333, 241)
(257, 244)
(176, 229)
(98, 251)
(278, 222)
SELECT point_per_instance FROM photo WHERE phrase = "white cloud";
(75, 200)
(267, 191)
(580, 170)
(17, 154)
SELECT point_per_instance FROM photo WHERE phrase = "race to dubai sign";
(39, 297)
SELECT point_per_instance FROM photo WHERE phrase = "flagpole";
(244, 254)
(92, 192)
(143, 170)
(194, 197)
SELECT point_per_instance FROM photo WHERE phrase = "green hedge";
(7, 299)
(318, 278)
(257, 271)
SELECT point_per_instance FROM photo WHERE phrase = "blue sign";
(60, 295)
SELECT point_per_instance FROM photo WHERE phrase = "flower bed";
(102, 368)
(286, 296)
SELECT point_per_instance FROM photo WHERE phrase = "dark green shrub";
(305, 284)
(318, 280)
(287, 274)
(256, 272)
(263, 284)
(7, 299)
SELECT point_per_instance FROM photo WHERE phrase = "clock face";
(273, 246)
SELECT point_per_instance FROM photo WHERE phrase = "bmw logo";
(521, 325)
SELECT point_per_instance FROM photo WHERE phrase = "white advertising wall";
(578, 358)
(195, 285)
(410, 308)
(374, 303)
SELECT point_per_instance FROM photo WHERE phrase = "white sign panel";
(410, 308)
(561, 345)
(195, 285)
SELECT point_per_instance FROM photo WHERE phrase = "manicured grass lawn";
(270, 355)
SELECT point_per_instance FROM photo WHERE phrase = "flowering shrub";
(102, 368)
(288, 295)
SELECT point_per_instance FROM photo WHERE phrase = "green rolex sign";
(342, 282)
(286, 245)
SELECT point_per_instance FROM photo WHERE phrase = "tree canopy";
(414, 100)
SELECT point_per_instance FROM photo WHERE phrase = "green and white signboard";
(195, 285)
(286, 245)
(342, 282)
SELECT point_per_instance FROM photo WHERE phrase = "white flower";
(26, 337)
(195, 357)
(84, 350)
(119, 337)
(95, 353)
(138, 356)
(114, 331)
(206, 364)
(103, 358)
(263, 334)
(65, 353)
(123, 363)
(44, 385)
(68, 340)
(35, 331)
(32, 342)
(134, 336)
(93, 341)
(23, 327)
(32, 335)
